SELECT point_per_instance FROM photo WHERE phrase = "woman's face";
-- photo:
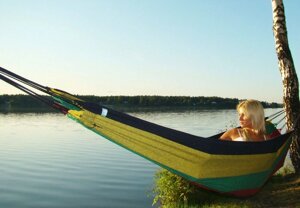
(245, 121)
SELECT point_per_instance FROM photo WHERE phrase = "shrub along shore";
(24, 103)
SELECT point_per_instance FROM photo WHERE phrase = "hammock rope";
(235, 168)
(275, 115)
(24, 80)
(272, 117)
(37, 96)
(26, 90)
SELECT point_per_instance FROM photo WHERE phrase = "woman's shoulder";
(230, 134)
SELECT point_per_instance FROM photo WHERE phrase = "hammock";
(235, 168)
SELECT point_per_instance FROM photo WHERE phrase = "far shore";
(25, 103)
(129, 109)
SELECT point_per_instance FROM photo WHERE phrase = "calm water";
(48, 160)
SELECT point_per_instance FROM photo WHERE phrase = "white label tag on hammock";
(104, 112)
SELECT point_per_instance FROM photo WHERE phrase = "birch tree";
(289, 80)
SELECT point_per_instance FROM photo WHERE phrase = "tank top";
(240, 138)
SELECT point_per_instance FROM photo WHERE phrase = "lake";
(48, 160)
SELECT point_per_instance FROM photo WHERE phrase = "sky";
(147, 47)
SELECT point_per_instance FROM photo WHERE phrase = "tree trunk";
(289, 79)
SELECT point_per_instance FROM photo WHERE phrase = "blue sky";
(153, 47)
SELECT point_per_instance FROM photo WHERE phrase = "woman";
(252, 121)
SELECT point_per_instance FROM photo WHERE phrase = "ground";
(283, 191)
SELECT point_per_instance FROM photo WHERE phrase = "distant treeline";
(23, 102)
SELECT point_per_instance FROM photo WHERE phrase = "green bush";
(172, 191)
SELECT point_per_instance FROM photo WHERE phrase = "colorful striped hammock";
(235, 168)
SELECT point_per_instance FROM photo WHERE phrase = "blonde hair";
(253, 110)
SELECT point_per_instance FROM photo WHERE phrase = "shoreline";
(127, 109)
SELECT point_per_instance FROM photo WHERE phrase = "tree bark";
(289, 80)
